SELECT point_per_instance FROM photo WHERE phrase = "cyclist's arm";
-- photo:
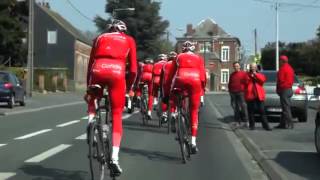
(132, 62)
(91, 60)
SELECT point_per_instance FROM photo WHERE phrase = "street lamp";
(121, 9)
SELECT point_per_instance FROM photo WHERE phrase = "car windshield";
(272, 77)
(4, 78)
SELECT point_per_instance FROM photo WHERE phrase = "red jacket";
(146, 73)
(254, 87)
(285, 77)
(237, 81)
(117, 46)
(157, 70)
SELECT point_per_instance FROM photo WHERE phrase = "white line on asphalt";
(48, 153)
(68, 123)
(33, 134)
(218, 114)
(6, 175)
(2, 145)
(288, 150)
(82, 137)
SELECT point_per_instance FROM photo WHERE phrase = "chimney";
(189, 29)
(47, 5)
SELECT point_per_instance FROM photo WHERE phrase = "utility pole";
(255, 42)
(277, 35)
(29, 84)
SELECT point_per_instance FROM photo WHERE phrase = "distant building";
(57, 44)
(218, 48)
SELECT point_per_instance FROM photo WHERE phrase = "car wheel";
(11, 102)
(303, 116)
(317, 137)
(23, 102)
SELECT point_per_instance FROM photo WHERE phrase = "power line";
(76, 9)
(288, 4)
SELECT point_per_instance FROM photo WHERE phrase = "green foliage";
(144, 24)
(18, 71)
(11, 32)
(318, 33)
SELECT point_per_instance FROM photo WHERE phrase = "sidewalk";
(282, 154)
(40, 101)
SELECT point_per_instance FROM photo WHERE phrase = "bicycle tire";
(169, 122)
(181, 137)
(91, 155)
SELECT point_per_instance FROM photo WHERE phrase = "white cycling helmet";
(117, 25)
(162, 56)
(172, 55)
(148, 61)
(188, 46)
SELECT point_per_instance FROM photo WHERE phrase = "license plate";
(274, 109)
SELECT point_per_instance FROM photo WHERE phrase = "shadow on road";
(304, 164)
(137, 126)
(152, 155)
(41, 173)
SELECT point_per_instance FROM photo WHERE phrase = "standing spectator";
(236, 88)
(285, 78)
(255, 96)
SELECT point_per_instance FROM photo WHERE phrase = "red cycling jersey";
(136, 85)
(107, 68)
(146, 78)
(166, 79)
(190, 77)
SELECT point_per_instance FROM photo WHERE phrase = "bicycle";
(144, 104)
(99, 138)
(183, 127)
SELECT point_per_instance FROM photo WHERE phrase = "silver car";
(299, 100)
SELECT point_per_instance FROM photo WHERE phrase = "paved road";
(49, 145)
(291, 153)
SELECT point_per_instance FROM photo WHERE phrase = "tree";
(144, 24)
(11, 32)
(318, 33)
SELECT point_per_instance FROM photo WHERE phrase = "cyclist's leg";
(150, 98)
(194, 103)
(117, 101)
(91, 103)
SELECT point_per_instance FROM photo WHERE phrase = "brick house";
(218, 48)
(59, 45)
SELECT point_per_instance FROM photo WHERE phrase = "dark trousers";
(239, 106)
(257, 105)
(285, 101)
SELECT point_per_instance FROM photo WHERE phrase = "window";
(224, 76)
(225, 53)
(205, 46)
(52, 37)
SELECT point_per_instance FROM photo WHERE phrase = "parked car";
(11, 90)
(316, 94)
(299, 100)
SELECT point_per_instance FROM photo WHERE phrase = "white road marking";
(48, 153)
(6, 175)
(33, 134)
(68, 123)
(2, 145)
(82, 137)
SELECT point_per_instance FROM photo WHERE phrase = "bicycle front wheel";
(181, 132)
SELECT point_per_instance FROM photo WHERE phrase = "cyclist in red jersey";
(190, 77)
(157, 70)
(166, 80)
(107, 67)
(136, 84)
(146, 78)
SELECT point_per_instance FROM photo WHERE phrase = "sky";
(237, 17)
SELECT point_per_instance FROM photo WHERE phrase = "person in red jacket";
(106, 68)
(190, 77)
(255, 96)
(166, 80)
(236, 86)
(157, 70)
(285, 79)
(146, 78)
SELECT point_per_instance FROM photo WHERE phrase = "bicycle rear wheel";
(96, 155)
(181, 132)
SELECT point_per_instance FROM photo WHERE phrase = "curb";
(40, 109)
(259, 156)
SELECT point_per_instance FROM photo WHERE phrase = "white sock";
(90, 118)
(149, 113)
(193, 140)
(115, 154)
